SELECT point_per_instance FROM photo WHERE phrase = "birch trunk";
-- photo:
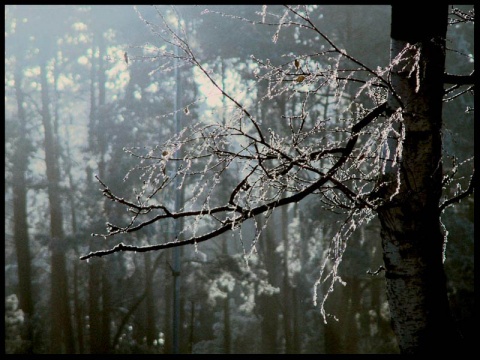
(411, 233)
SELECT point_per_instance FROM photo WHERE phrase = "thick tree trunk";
(411, 234)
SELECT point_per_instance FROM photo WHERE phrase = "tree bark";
(286, 291)
(77, 283)
(227, 337)
(106, 310)
(62, 332)
(411, 234)
(20, 231)
(150, 327)
(269, 304)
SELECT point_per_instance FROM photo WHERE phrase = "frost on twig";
(241, 167)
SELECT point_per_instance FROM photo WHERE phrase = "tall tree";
(382, 158)
(61, 332)
(411, 230)
(20, 219)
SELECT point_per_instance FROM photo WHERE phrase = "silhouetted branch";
(243, 215)
(460, 79)
(460, 196)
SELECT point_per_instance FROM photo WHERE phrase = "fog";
(95, 99)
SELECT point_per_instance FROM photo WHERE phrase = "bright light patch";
(214, 96)
(152, 88)
(64, 82)
(83, 60)
(79, 26)
(32, 72)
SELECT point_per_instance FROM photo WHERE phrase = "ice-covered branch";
(232, 207)
(460, 196)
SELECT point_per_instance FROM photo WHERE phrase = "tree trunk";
(167, 322)
(268, 304)
(77, 277)
(411, 234)
(62, 332)
(20, 231)
(351, 336)
(227, 337)
(106, 309)
(150, 327)
(333, 329)
(191, 337)
(286, 291)
(95, 267)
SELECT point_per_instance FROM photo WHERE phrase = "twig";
(376, 272)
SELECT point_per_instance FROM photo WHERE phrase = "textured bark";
(411, 234)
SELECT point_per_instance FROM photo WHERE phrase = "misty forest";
(239, 179)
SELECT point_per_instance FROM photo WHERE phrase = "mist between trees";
(239, 179)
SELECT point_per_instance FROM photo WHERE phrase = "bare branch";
(243, 214)
(460, 79)
(460, 196)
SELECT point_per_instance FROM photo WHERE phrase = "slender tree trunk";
(287, 297)
(333, 329)
(94, 274)
(268, 304)
(62, 332)
(350, 330)
(191, 337)
(296, 321)
(227, 333)
(227, 337)
(151, 331)
(411, 234)
(20, 231)
(78, 309)
(106, 309)
(102, 274)
(94, 267)
(167, 323)
(77, 303)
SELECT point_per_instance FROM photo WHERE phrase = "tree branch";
(460, 196)
(459, 79)
(245, 214)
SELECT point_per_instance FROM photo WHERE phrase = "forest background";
(84, 83)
